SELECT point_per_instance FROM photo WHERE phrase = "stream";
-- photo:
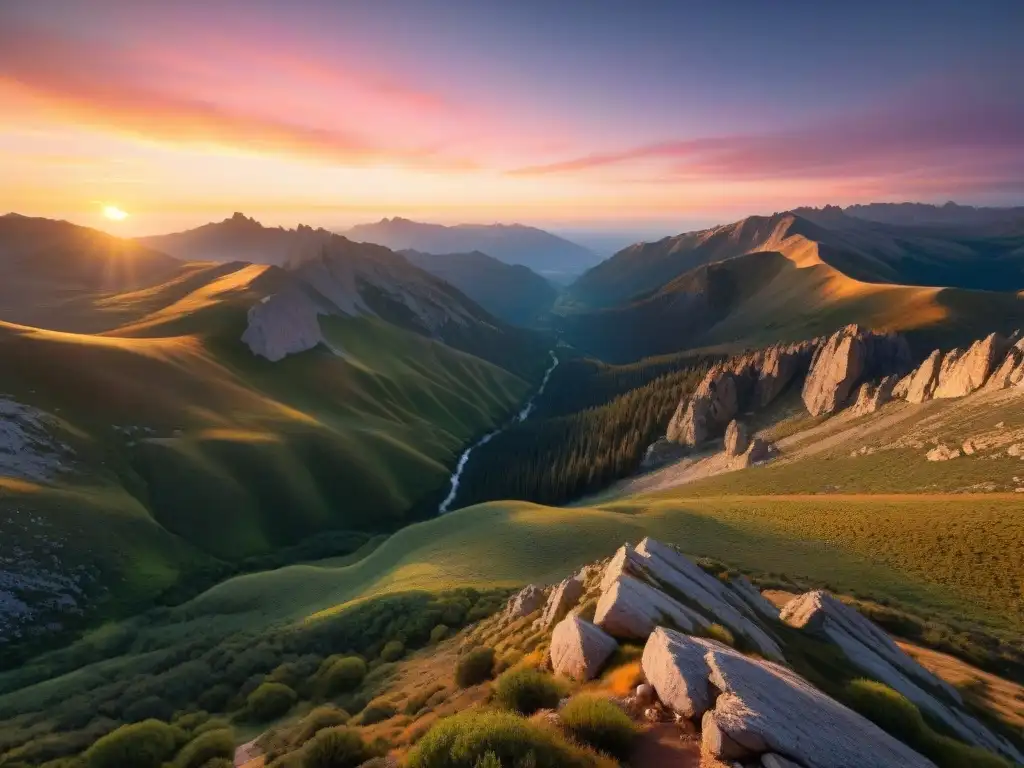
(523, 415)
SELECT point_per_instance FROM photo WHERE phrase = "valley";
(221, 474)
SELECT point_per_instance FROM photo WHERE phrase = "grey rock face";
(283, 324)
(737, 438)
(758, 451)
(563, 599)
(873, 651)
(579, 649)
(749, 708)
(527, 600)
(921, 383)
(872, 396)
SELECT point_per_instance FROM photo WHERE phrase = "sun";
(114, 213)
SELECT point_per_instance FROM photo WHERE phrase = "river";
(523, 415)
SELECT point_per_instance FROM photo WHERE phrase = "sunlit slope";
(188, 447)
(827, 541)
(785, 294)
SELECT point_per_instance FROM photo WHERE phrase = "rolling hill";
(171, 454)
(550, 255)
(786, 277)
(515, 293)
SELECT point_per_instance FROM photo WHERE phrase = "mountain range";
(552, 256)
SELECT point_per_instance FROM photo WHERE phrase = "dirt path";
(871, 497)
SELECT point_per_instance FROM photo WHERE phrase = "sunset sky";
(596, 114)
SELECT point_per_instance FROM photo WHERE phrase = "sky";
(573, 115)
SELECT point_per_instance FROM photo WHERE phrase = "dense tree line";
(557, 456)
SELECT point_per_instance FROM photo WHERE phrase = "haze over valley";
(461, 385)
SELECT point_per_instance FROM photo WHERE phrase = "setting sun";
(114, 213)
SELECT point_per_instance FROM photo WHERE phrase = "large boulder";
(872, 651)
(749, 708)
(963, 372)
(579, 649)
(562, 599)
(922, 382)
(713, 404)
(758, 451)
(631, 609)
(737, 438)
(524, 602)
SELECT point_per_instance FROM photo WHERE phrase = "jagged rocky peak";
(715, 659)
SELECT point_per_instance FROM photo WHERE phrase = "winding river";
(523, 415)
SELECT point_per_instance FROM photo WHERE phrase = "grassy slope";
(240, 455)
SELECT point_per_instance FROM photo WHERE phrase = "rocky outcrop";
(848, 356)
(942, 452)
(579, 649)
(872, 396)
(752, 597)
(920, 385)
(673, 574)
(283, 324)
(737, 438)
(563, 598)
(963, 372)
(1010, 372)
(524, 602)
(631, 609)
(751, 380)
(874, 652)
(748, 708)
(759, 451)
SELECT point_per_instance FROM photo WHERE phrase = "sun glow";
(114, 213)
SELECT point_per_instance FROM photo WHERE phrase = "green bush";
(341, 674)
(205, 747)
(527, 690)
(898, 716)
(337, 747)
(270, 700)
(439, 633)
(139, 745)
(213, 724)
(482, 738)
(377, 712)
(317, 720)
(722, 635)
(393, 651)
(475, 667)
(598, 722)
(216, 698)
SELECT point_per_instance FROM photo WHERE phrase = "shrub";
(205, 747)
(419, 700)
(377, 712)
(438, 633)
(148, 708)
(337, 747)
(598, 722)
(141, 745)
(213, 724)
(190, 722)
(318, 719)
(340, 674)
(393, 651)
(475, 738)
(270, 700)
(527, 690)
(216, 698)
(475, 667)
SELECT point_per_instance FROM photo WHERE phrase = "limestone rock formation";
(748, 708)
(752, 597)
(874, 652)
(1010, 372)
(921, 384)
(631, 609)
(713, 404)
(964, 372)
(872, 396)
(562, 599)
(524, 602)
(849, 355)
(282, 324)
(780, 365)
(579, 649)
(737, 438)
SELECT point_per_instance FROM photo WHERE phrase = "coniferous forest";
(591, 427)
